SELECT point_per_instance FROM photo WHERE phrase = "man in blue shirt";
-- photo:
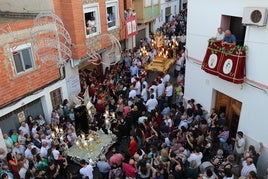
(229, 38)
(134, 70)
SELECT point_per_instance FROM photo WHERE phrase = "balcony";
(147, 10)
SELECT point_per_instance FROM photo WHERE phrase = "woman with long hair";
(144, 169)
(13, 162)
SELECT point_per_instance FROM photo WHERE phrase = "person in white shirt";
(179, 64)
(46, 138)
(25, 128)
(239, 147)
(132, 93)
(34, 128)
(169, 93)
(160, 90)
(168, 121)
(24, 168)
(196, 155)
(219, 35)
(57, 155)
(44, 149)
(86, 170)
(166, 78)
(154, 87)
(248, 166)
(144, 93)
(183, 122)
(28, 152)
(182, 39)
(151, 103)
(143, 118)
(91, 25)
(71, 136)
(138, 86)
(18, 149)
(144, 82)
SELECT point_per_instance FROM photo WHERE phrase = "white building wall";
(200, 85)
(175, 9)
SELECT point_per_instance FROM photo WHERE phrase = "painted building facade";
(244, 104)
(36, 76)
(168, 9)
(29, 82)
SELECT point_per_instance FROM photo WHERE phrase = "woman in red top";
(13, 162)
(133, 147)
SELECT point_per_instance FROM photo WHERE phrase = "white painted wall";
(72, 80)
(2, 141)
(26, 6)
(201, 25)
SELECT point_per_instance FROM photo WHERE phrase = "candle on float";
(53, 135)
(56, 129)
(113, 115)
(85, 143)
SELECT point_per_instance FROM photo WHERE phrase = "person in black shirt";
(53, 171)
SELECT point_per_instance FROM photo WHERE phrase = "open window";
(22, 58)
(234, 24)
(112, 14)
(92, 22)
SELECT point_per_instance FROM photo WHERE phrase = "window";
(56, 98)
(22, 58)
(112, 15)
(92, 20)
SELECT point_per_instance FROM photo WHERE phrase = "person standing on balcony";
(219, 35)
(229, 38)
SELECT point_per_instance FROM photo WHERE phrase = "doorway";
(235, 25)
(231, 107)
(238, 29)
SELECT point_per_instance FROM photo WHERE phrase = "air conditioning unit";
(255, 16)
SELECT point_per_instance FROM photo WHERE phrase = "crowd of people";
(164, 136)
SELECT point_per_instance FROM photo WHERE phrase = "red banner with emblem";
(131, 26)
(225, 61)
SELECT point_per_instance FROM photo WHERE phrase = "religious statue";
(159, 39)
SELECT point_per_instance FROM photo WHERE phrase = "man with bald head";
(229, 38)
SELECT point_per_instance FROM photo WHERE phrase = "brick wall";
(71, 13)
(15, 86)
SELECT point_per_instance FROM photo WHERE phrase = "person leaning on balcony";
(91, 25)
(219, 35)
(229, 38)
